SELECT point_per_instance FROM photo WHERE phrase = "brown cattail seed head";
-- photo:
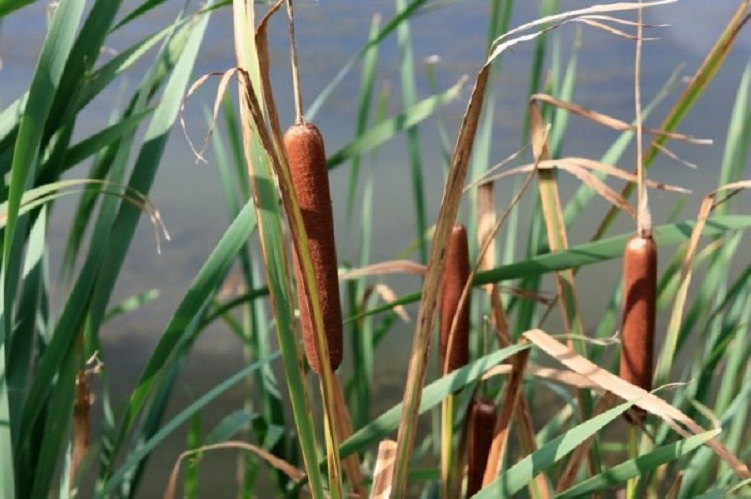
(482, 418)
(455, 276)
(639, 301)
(307, 163)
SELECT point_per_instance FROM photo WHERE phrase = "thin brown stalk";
(580, 454)
(297, 89)
(489, 227)
(351, 462)
(499, 445)
(643, 222)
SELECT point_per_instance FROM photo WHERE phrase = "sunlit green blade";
(642, 465)
(511, 481)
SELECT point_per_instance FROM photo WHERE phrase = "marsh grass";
(44, 390)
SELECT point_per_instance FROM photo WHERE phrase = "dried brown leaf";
(387, 294)
(561, 376)
(606, 380)
(292, 472)
(499, 445)
(383, 470)
(382, 268)
(610, 122)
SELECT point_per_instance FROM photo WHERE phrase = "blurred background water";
(329, 33)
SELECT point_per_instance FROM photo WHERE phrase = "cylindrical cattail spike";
(307, 162)
(455, 276)
(482, 419)
(639, 302)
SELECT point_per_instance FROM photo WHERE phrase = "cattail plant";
(637, 329)
(481, 421)
(639, 275)
(307, 163)
(454, 348)
(454, 351)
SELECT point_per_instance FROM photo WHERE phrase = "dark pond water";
(330, 32)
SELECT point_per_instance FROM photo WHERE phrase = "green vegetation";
(560, 426)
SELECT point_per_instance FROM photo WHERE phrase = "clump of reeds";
(638, 326)
(454, 349)
(307, 163)
(482, 418)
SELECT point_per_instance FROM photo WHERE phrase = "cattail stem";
(633, 453)
(454, 340)
(482, 419)
(307, 163)
(639, 301)
(297, 90)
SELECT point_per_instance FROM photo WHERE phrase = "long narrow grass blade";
(409, 98)
(589, 254)
(174, 423)
(47, 77)
(364, 105)
(433, 394)
(384, 131)
(666, 358)
(409, 11)
(259, 150)
(638, 466)
(509, 406)
(524, 471)
(677, 420)
(558, 241)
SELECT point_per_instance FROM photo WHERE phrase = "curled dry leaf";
(587, 163)
(512, 37)
(387, 294)
(579, 167)
(610, 122)
(292, 472)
